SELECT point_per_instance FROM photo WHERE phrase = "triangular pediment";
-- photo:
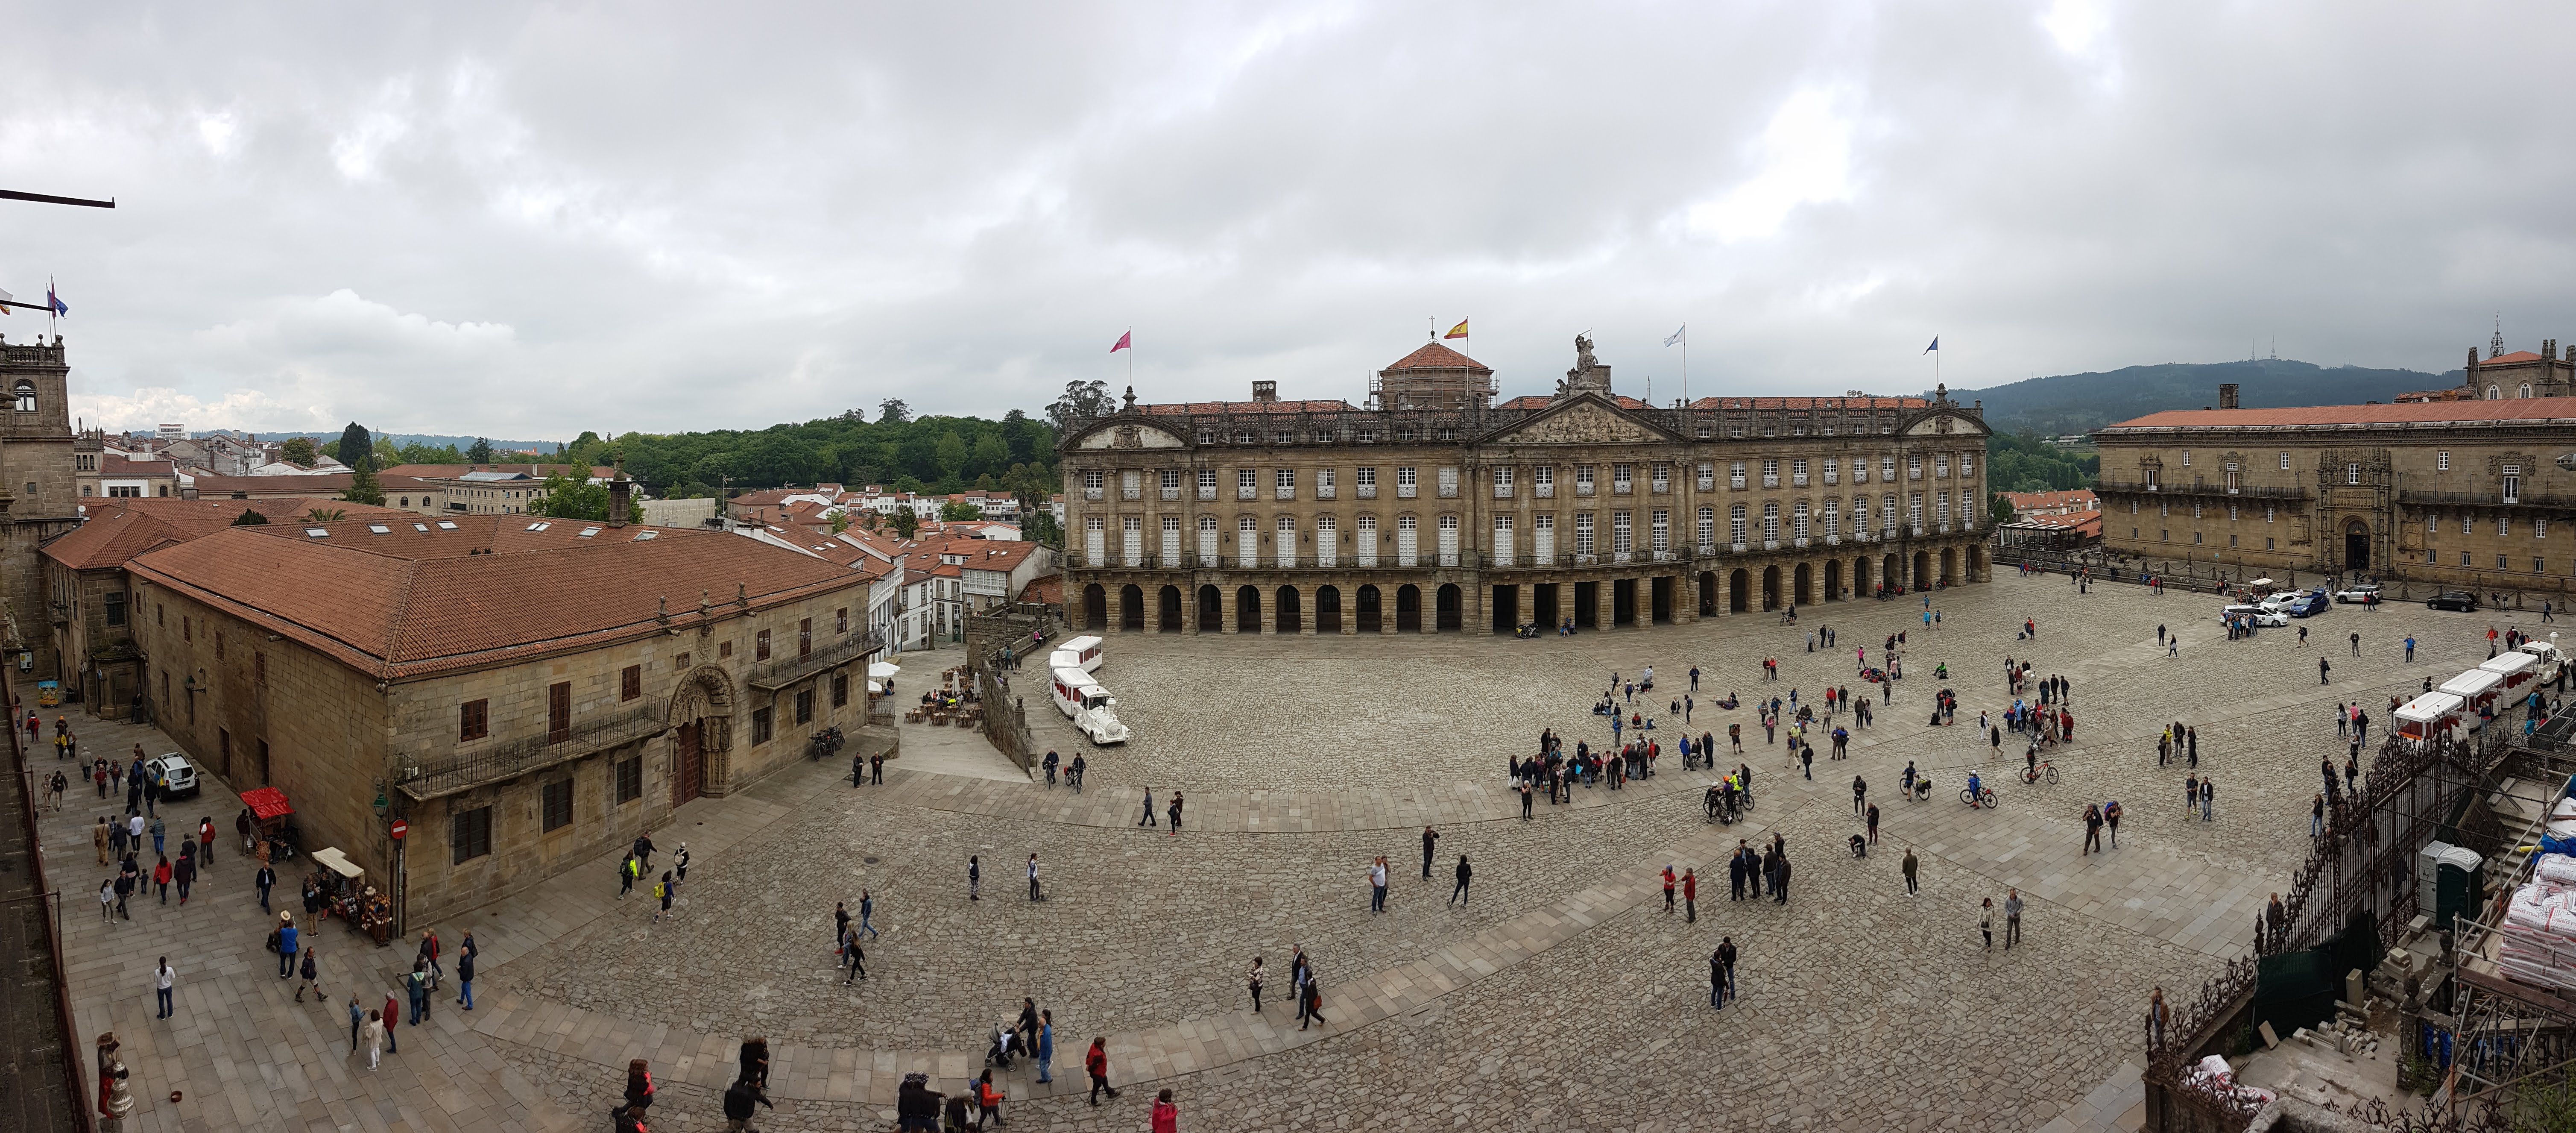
(1940, 421)
(1582, 420)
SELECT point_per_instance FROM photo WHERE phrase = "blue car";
(2311, 604)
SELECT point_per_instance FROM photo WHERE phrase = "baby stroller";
(1006, 1043)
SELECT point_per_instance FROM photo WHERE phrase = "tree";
(840, 521)
(959, 511)
(481, 453)
(2000, 511)
(355, 445)
(299, 452)
(249, 518)
(906, 522)
(892, 411)
(1039, 527)
(574, 497)
(323, 514)
(363, 488)
(1080, 400)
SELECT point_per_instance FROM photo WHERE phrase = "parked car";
(2257, 614)
(2309, 605)
(2460, 600)
(2361, 592)
(173, 772)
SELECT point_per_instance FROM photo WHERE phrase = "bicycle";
(2045, 770)
(1983, 796)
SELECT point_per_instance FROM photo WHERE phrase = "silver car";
(2259, 615)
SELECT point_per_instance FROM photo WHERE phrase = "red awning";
(267, 803)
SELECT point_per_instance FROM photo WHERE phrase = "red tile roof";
(409, 603)
(327, 484)
(127, 466)
(2516, 357)
(2078, 498)
(1542, 401)
(1812, 403)
(2520, 410)
(1434, 356)
(452, 471)
(123, 528)
(1045, 589)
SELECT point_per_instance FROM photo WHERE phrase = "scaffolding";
(2504, 1029)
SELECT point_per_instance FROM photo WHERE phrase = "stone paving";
(1561, 998)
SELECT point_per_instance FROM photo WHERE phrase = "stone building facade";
(38, 497)
(525, 694)
(2474, 493)
(1435, 509)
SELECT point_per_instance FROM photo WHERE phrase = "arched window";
(26, 394)
(2494, 394)
(2526, 390)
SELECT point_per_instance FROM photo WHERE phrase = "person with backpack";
(286, 946)
(429, 952)
(417, 984)
(312, 972)
(738, 1100)
(662, 893)
(627, 872)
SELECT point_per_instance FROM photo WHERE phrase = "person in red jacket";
(988, 1102)
(1095, 1062)
(1690, 895)
(1167, 1117)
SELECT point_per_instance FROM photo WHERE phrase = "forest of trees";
(2021, 462)
(929, 454)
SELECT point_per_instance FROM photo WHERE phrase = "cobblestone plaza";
(1561, 997)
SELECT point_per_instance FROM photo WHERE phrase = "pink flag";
(1122, 342)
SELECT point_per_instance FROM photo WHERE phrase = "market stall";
(347, 895)
(271, 821)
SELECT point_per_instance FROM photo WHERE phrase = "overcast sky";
(524, 222)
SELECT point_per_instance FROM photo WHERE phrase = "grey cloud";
(485, 218)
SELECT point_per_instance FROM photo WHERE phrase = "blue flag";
(1936, 344)
(55, 301)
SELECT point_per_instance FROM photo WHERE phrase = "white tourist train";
(2493, 687)
(1076, 653)
(1093, 711)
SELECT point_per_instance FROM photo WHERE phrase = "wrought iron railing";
(513, 758)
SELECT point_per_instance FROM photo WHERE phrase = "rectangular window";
(1448, 482)
(558, 712)
(469, 834)
(760, 646)
(1622, 478)
(841, 620)
(1735, 475)
(1622, 533)
(1771, 474)
(558, 805)
(1583, 479)
(2442, 461)
(1663, 478)
(1207, 483)
(1323, 483)
(1708, 527)
(473, 720)
(1128, 486)
(1798, 473)
(1502, 481)
(1543, 480)
(1833, 472)
(2285, 461)
(2352, 474)
(1247, 481)
(1583, 533)
(1860, 470)
(1941, 465)
(1735, 523)
(1283, 483)
(805, 706)
(1913, 468)
(1707, 476)
(804, 638)
(630, 779)
(630, 682)
(840, 689)
(760, 725)
(114, 604)
(2513, 483)
(1405, 483)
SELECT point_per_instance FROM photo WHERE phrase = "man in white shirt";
(162, 979)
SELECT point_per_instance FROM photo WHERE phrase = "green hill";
(2075, 403)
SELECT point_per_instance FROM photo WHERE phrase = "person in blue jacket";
(286, 946)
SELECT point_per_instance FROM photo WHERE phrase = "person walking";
(392, 1016)
(662, 891)
(1458, 895)
(1175, 811)
(465, 972)
(1252, 983)
(357, 1019)
(1148, 819)
(416, 985)
(184, 875)
(161, 878)
(680, 865)
(1716, 980)
(1671, 882)
(2111, 818)
(2012, 918)
(2208, 792)
(1726, 968)
(98, 836)
(1735, 874)
(974, 878)
(375, 1036)
(627, 871)
(1044, 1045)
(1873, 823)
(739, 1100)
(429, 950)
(1095, 1063)
(1033, 877)
(2157, 1015)
(2322, 668)
(2317, 817)
(1860, 794)
(867, 912)
(1377, 884)
(1986, 922)
(1910, 868)
(163, 979)
(1431, 837)
(1690, 896)
(854, 956)
(2092, 829)
(107, 900)
(1166, 1116)
(285, 946)
(312, 973)
(2410, 649)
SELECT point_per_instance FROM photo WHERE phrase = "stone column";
(1189, 610)
(1307, 610)
(1350, 592)
(1224, 608)
(1605, 602)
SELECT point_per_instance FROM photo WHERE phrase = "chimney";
(2227, 395)
(620, 490)
(1265, 391)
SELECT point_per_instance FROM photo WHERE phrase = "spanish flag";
(1459, 331)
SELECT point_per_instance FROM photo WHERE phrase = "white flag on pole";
(1677, 335)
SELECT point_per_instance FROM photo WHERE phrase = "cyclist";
(1909, 777)
(1975, 791)
(2030, 764)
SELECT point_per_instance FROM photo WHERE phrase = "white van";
(1085, 650)
(1093, 711)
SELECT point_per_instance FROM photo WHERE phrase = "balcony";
(1323, 491)
(1502, 491)
(1544, 491)
(1131, 492)
(1917, 528)
(1582, 487)
(1365, 491)
(1770, 544)
(1707, 485)
(1770, 481)
(1736, 547)
(1945, 529)
(1659, 487)
(1406, 491)
(1207, 491)
(1171, 494)
(1091, 493)
(1800, 543)
(1283, 493)
(1623, 556)
(1665, 556)
(2523, 499)
(464, 771)
(792, 671)
(1622, 487)
(1245, 491)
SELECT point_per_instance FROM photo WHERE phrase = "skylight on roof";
(420, 527)
(587, 532)
(444, 525)
(380, 529)
(536, 527)
(641, 536)
(318, 532)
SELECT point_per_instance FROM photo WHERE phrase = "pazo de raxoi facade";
(1433, 508)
